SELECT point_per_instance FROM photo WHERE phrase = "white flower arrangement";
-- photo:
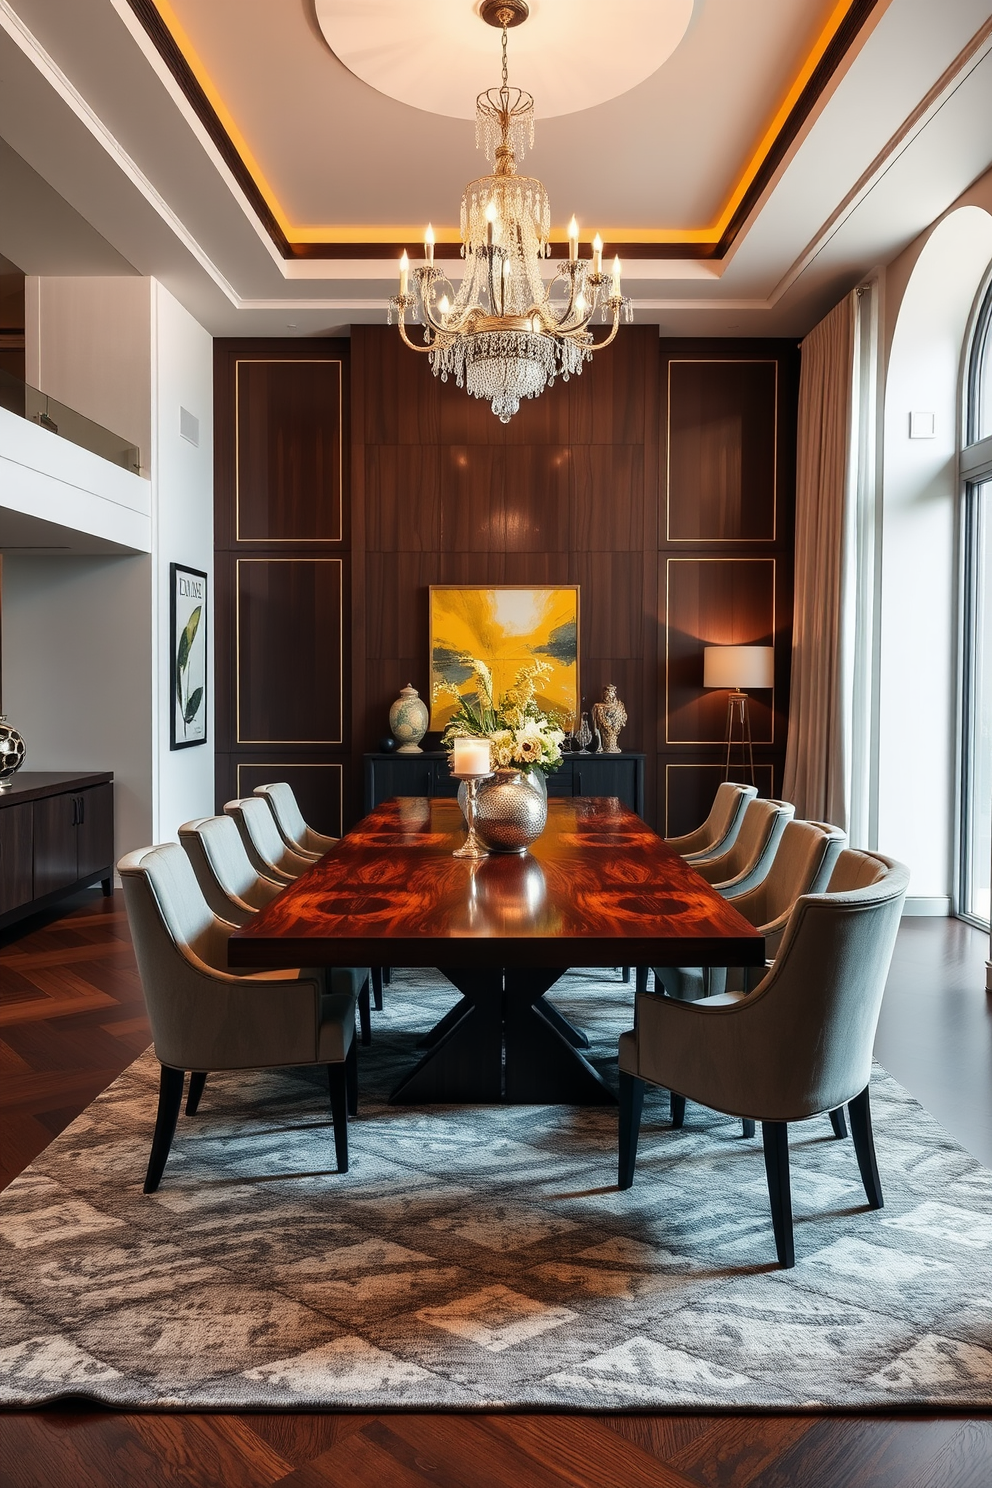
(521, 735)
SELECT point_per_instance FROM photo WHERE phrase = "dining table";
(598, 888)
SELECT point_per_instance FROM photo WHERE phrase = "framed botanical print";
(188, 648)
(508, 626)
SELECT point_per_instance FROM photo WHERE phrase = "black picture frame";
(188, 692)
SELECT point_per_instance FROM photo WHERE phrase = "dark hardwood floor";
(72, 1017)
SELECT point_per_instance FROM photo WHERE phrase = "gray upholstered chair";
(803, 863)
(799, 1045)
(746, 862)
(289, 819)
(236, 892)
(229, 881)
(204, 1019)
(719, 830)
(267, 852)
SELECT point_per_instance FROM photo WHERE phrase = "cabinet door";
(16, 836)
(560, 781)
(402, 775)
(94, 830)
(444, 783)
(607, 775)
(54, 843)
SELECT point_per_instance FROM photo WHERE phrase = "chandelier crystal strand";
(503, 334)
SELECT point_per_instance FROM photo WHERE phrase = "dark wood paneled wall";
(283, 571)
(727, 432)
(660, 481)
(564, 493)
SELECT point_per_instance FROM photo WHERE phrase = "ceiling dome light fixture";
(504, 335)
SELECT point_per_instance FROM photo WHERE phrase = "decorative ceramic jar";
(408, 719)
(12, 752)
(510, 813)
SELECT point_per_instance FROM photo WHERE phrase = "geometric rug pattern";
(482, 1257)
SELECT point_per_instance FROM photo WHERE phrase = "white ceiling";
(105, 168)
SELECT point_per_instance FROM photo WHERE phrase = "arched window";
(975, 879)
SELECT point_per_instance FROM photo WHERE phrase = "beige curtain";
(817, 754)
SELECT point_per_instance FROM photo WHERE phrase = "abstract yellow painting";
(507, 628)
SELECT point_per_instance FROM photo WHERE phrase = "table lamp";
(738, 668)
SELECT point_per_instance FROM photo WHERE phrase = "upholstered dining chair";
(204, 1019)
(803, 863)
(749, 858)
(267, 852)
(289, 819)
(798, 1046)
(718, 831)
(235, 892)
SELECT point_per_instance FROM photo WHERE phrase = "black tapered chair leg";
(864, 1146)
(775, 1138)
(678, 1110)
(197, 1080)
(747, 1127)
(641, 978)
(377, 988)
(838, 1123)
(365, 1013)
(337, 1085)
(351, 1078)
(387, 976)
(625, 973)
(631, 1103)
(170, 1098)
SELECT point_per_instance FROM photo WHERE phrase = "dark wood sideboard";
(427, 774)
(56, 836)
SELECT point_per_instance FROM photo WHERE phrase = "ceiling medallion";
(504, 335)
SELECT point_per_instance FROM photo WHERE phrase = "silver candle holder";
(471, 762)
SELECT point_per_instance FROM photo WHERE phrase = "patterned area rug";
(483, 1258)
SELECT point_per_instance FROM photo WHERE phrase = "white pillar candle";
(470, 757)
(597, 254)
(404, 272)
(615, 287)
(573, 240)
(429, 243)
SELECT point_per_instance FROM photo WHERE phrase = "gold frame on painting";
(491, 623)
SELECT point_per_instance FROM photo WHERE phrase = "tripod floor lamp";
(739, 668)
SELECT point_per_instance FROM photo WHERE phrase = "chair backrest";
(721, 826)
(202, 1017)
(263, 841)
(817, 1009)
(803, 862)
(749, 859)
(230, 884)
(285, 808)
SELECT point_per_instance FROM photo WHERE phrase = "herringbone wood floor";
(71, 1018)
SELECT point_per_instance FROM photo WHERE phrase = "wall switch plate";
(922, 425)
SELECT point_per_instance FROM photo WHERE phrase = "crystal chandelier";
(503, 334)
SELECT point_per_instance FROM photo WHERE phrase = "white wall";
(76, 685)
(182, 485)
(86, 640)
(920, 496)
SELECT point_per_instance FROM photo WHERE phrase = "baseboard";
(939, 904)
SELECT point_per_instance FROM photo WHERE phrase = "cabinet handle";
(578, 777)
(82, 810)
(75, 810)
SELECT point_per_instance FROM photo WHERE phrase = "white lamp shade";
(739, 667)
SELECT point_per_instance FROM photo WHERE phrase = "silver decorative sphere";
(12, 751)
(509, 813)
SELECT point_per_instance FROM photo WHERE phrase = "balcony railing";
(21, 398)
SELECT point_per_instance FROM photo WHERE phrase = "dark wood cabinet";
(427, 774)
(16, 838)
(56, 836)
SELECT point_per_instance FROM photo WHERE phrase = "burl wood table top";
(598, 888)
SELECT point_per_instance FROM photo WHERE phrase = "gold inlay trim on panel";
(312, 743)
(718, 362)
(714, 743)
(298, 542)
(283, 766)
(757, 770)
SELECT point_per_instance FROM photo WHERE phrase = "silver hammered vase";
(510, 812)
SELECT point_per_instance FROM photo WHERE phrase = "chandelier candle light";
(503, 334)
